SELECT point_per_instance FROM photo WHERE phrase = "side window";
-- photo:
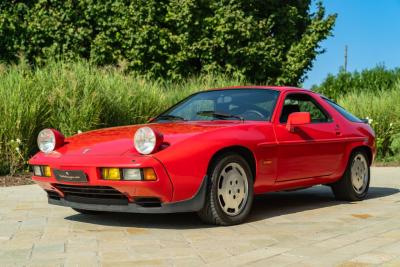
(342, 111)
(303, 103)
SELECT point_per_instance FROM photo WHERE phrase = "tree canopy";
(264, 41)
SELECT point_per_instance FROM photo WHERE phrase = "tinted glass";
(342, 111)
(303, 103)
(230, 104)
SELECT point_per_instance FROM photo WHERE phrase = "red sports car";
(210, 154)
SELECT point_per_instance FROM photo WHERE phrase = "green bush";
(270, 41)
(382, 109)
(369, 80)
(74, 97)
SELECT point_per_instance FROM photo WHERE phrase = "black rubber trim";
(193, 204)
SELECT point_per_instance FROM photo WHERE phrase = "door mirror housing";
(296, 119)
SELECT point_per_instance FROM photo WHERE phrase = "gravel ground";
(21, 179)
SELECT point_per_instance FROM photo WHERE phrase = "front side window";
(229, 104)
(303, 103)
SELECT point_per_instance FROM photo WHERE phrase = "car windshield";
(230, 104)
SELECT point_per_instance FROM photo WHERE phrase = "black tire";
(344, 189)
(88, 212)
(212, 212)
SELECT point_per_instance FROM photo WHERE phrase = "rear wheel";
(230, 191)
(354, 184)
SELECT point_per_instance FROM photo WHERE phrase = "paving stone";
(302, 228)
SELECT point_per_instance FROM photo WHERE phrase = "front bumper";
(162, 188)
(191, 205)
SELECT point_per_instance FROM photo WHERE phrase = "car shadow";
(265, 206)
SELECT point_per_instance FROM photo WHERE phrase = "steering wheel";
(257, 114)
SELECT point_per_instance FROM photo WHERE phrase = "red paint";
(313, 153)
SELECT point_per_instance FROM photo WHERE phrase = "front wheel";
(230, 191)
(354, 184)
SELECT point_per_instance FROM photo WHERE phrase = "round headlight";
(49, 139)
(146, 140)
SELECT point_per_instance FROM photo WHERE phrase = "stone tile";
(313, 230)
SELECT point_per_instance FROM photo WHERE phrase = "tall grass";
(383, 110)
(76, 97)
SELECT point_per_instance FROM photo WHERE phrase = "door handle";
(337, 130)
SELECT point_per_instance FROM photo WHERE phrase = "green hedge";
(271, 41)
(372, 93)
(369, 80)
(76, 97)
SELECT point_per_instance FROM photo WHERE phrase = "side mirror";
(297, 119)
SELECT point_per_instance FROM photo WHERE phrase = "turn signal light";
(149, 174)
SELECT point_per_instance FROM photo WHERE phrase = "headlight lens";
(146, 140)
(132, 174)
(49, 139)
(37, 170)
(46, 141)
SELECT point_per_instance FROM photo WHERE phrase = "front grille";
(92, 194)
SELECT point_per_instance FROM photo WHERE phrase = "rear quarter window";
(342, 111)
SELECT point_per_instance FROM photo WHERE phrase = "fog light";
(111, 174)
(132, 174)
(46, 171)
(149, 174)
(37, 171)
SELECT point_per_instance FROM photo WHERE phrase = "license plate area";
(73, 176)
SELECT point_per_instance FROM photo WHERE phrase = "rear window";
(342, 111)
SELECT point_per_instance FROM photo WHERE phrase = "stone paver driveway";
(302, 228)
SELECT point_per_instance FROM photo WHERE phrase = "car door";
(312, 150)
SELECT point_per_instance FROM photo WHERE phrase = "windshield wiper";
(170, 117)
(219, 115)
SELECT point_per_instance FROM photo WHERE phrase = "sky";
(370, 29)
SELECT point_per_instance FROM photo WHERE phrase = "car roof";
(266, 87)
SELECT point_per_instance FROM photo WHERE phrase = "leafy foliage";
(270, 41)
(382, 110)
(369, 80)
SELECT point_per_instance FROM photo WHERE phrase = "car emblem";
(86, 150)
(67, 173)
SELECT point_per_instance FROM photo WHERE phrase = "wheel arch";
(366, 149)
(246, 153)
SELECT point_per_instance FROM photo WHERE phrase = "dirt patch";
(361, 216)
(21, 179)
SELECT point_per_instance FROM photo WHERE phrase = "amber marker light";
(149, 174)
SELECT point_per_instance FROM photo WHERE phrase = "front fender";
(187, 162)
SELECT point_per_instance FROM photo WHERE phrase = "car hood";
(119, 140)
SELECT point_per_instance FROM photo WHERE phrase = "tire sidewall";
(214, 174)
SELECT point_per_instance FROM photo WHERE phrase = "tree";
(265, 41)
